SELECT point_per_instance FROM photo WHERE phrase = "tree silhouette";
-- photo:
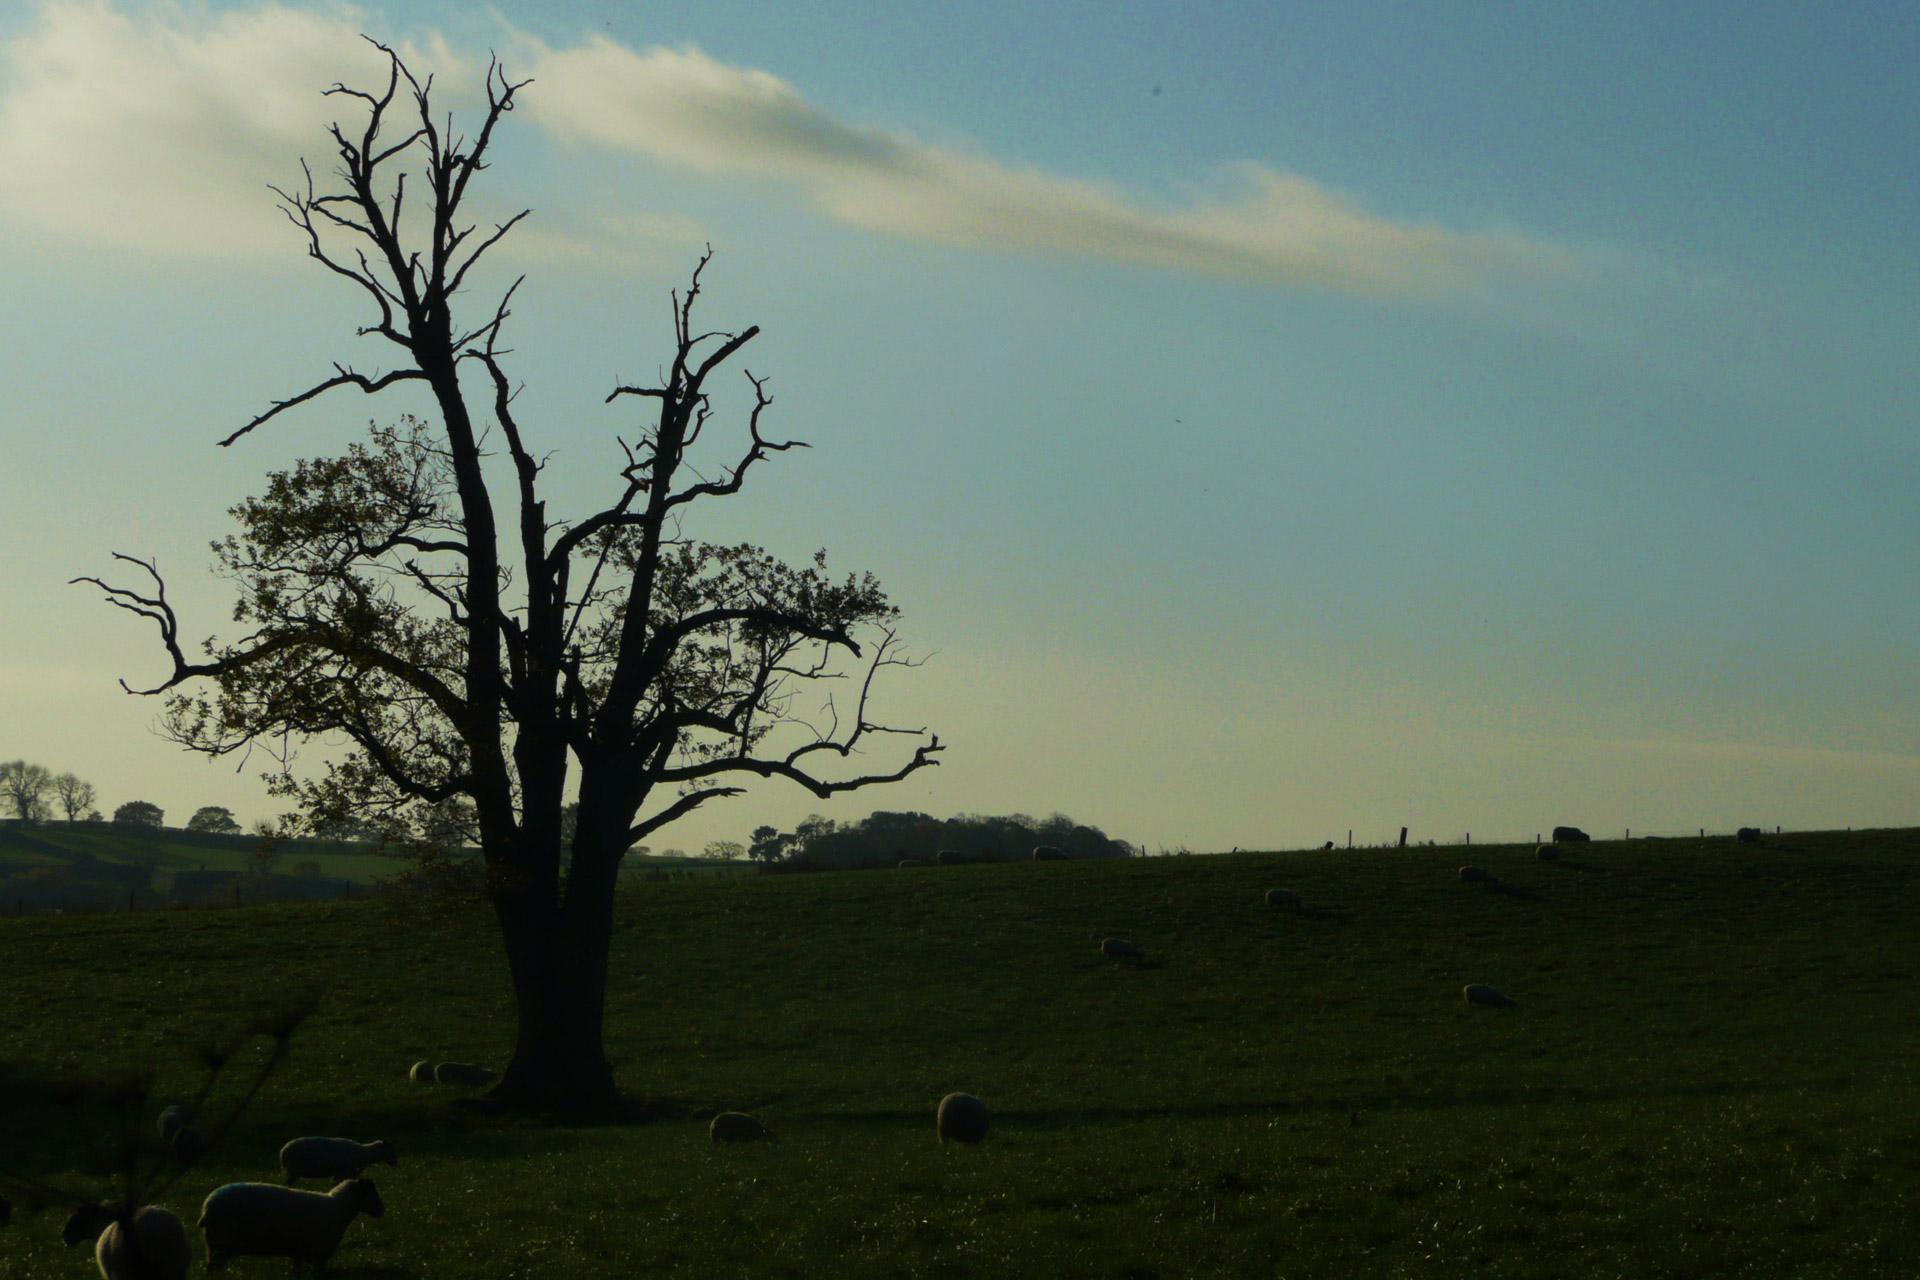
(75, 795)
(476, 666)
(23, 786)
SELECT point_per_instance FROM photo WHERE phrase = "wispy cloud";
(681, 107)
(159, 129)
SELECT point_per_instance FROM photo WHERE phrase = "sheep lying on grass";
(170, 1122)
(1547, 853)
(1120, 949)
(464, 1073)
(332, 1158)
(1481, 993)
(154, 1247)
(1282, 898)
(738, 1126)
(1047, 853)
(961, 1118)
(913, 862)
(1477, 875)
(258, 1219)
(422, 1073)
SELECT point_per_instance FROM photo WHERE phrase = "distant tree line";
(884, 838)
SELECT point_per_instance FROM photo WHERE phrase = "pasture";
(1711, 1071)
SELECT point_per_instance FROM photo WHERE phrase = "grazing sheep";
(1282, 898)
(1481, 993)
(1547, 853)
(1478, 875)
(1570, 835)
(87, 1222)
(332, 1158)
(1120, 949)
(962, 1118)
(913, 862)
(170, 1122)
(153, 1247)
(948, 858)
(1747, 835)
(464, 1073)
(1328, 845)
(258, 1219)
(1047, 853)
(422, 1073)
(738, 1126)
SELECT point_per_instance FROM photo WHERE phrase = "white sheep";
(170, 1122)
(1282, 898)
(259, 1219)
(422, 1073)
(332, 1158)
(961, 1118)
(1120, 949)
(738, 1126)
(1047, 853)
(153, 1247)
(1481, 993)
(1546, 853)
(464, 1073)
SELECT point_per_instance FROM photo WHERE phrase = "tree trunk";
(559, 964)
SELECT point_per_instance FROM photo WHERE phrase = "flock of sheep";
(266, 1219)
(240, 1219)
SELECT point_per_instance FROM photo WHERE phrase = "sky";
(1274, 421)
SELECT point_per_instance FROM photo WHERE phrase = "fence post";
(1403, 837)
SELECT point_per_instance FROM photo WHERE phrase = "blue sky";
(1403, 416)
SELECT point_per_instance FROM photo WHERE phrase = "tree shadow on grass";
(1334, 1104)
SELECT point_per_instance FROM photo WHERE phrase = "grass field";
(1711, 1071)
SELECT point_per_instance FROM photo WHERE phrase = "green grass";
(1712, 1071)
(55, 844)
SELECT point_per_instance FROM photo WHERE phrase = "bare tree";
(467, 662)
(76, 797)
(24, 787)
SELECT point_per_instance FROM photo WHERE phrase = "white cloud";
(159, 129)
(162, 131)
(684, 108)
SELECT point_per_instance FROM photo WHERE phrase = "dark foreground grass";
(1711, 1071)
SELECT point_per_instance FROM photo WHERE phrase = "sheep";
(947, 858)
(422, 1073)
(1328, 845)
(962, 1117)
(259, 1219)
(464, 1073)
(1047, 853)
(1546, 853)
(738, 1126)
(1747, 835)
(1282, 898)
(1120, 949)
(1478, 875)
(332, 1158)
(913, 862)
(87, 1222)
(170, 1122)
(1570, 835)
(153, 1247)
(1481, 993)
